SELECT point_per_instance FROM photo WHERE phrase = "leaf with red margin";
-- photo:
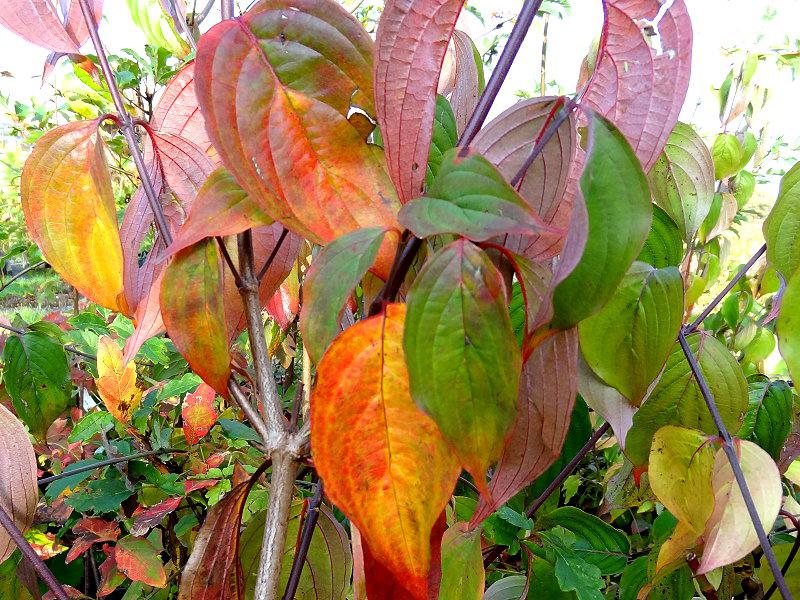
(38, 22)
(145, 519)
(410, 47)
(199, 414)
(221, 208)
(146, 318)
(637, 88)
(548, 387)
(110, 576)
(549, 185)
(70, 212)
(463, 361)
(139, 559)
(91, 530)
(275, 88)
(375, 449)
(214, 570)
(193, 309)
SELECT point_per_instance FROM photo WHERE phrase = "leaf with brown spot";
(116, 381)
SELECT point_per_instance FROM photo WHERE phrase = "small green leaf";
(727, 153)
(663, 246)
(334, 274)
(619, 211)
(773, 417)
(627, 343)
(572, 572)
(743, 186)
(238, 431)
(634, 578)
(37, 378)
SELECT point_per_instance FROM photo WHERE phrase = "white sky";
(718, 25)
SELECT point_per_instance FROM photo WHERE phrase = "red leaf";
(548, 387)
(192, 485)
(91, 530)
(186, 166)
(110, 576)
(410, 46)
(76, 24)
(38, 22)
(198, 413)
(637, 88)
(139, 559)
(145, 519)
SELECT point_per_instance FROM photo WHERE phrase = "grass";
(34, 295)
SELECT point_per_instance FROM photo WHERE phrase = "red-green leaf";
(145, 519)
(90, 531)
(199, 414)
(637, 87)
(463, 360)
(410, 45)
(376, 450)
(70, 212)
(139, 559)
(185, 165)
(546, 397)
(275, 88)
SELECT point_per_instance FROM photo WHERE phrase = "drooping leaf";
(727, 153)
(720, 218)
(463, 577)
(782, 226)
(375, 449)
(295, 65)
(37, 377)
(663, 246)
(507, 142)
(194, 313)
(743, 186)
(329, 562)
(469, 197)
(627, 343)
(606, 401)
(38, 22)
(619, 212)
(410, 47)
(157, 26)
(638, 87)
(633, 579)
(333, 276)
(463, 361)
(144, 519)
(70, 213)
(116, 381)
(676, 398)
(185, 164)
(19, 493)
(729, 535)
(599, 543)
(548, 386)
(221, 208)
(199, 414)
(682, 179)
(462, 78)
(138, 558)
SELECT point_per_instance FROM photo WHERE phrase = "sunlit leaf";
(467, 80)
(198, 412)
(38, 22)
(410, 46)
(157, 26)
(116, 381)
(727, 153)
(376, 450)
(606, 401)
(788, 325)
(138, 558)
(70, 212)
(463, 361)
(782, 226)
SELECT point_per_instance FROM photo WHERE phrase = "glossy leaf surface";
(463, 361)
(375, 449)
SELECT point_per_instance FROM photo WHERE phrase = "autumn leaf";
(139, 559)
(198, 413)
(145, 519)
(116, 381)
(70, 212)
(410, 46)
(90, 531)
(376, 450)
(38, 22)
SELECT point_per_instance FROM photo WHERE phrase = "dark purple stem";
(309, 524)
(792, 553)
(273, 254)
(730, 452)
(30, 555)
(104, 463)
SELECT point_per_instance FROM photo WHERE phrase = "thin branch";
(127, 126)
(182, 25)
(792, 553)
(241, 400)
(104, 463)
(234, 271)
(30, 554)
(226, 9)
(68, 348)
(730, 452)
(21, 273)
(299, 561)
(272, 255)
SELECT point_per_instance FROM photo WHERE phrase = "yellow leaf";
(117, 380)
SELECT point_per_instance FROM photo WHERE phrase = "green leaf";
(37, 378)
(91, 425)
(619, 212)
(463, 576)
(598, 543)
(333, 275)
(445, 137)
(543, 584)
(470, 197)
(101, 496)
(238, 431)
(678, 585)
(749, 147)
(663, 246)
(572, 572)
(727, 154)
(11, 585)
(627, 343)
(782, 226)
(773, 417)
(743, 186)
(676, 398)
(634, 578)
(463, 361)
(682, 179)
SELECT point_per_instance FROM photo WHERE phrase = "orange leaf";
(139, 559)
(91, 530)
(198, 413)
(70, 212)
(116, 383)
(384, 461)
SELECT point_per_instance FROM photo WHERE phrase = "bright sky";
(718, 25)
